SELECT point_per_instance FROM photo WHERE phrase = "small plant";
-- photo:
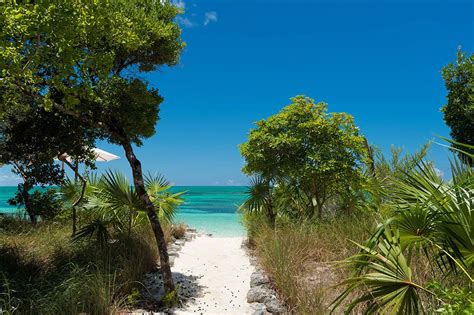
(178, 231)
(456, 300)
(133, 296)
(172, 298)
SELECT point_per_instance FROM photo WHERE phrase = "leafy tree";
(459, 110)
(316, 151)
(30, 140)
(84, 60)
(46, 204)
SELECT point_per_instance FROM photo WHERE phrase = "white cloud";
(185, 21)
(209, 17)
(439, 172)
(232, 182)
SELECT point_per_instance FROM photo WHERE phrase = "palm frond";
(258, 193)
(384, 277)
(98, 228)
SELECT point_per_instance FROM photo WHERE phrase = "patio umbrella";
(99, 155)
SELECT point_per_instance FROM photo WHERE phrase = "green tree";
(459, 109)
(316, 151)
(84, 60)
(30, 140)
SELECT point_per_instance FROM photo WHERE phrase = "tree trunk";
(25, 193)
(152, 215)
(77, 175)
(270, 213)
(26, 200)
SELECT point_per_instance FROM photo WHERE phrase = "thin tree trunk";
(26, 200)
(152, 215)
(77, 175)
(25, 194)
(270, 213)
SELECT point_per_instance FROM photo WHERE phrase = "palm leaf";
(384, 277)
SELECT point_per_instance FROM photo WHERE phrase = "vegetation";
(98, 271)
(459, 110)
(82, 60)
(305, 149)
(411, 231)
(42, 272)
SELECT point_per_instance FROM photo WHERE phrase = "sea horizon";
(210, 209)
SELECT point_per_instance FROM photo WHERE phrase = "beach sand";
(215, 271)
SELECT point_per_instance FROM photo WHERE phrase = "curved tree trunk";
(152, 216)
(77, 175)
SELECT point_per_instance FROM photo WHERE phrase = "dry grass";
(178, 231)
(42, 272)
(301, 258)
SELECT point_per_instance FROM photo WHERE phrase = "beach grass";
(42, 272)
(301, 258)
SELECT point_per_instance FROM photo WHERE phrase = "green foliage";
(298, 256)
(82, 59)
(386, 278)
(306, 147)
(44, 273)
(8, 303)
(45, 204)
(430, 216)
(112, 203)
(260, 198)
(171, 298)
(459, 109)
(456, 300)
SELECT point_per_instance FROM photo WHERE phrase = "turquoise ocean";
(212, 209)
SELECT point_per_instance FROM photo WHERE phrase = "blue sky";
(377, 60)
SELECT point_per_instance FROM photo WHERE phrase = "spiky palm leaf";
(384, 277)
(99, 228)
(258, 195)
(114, 202)
(166, 202)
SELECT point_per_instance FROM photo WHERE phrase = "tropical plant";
(85, 60)
(260, 198)
(113, 203)
(430, 214)
(385, 278)
(318, 152)
(459, 109)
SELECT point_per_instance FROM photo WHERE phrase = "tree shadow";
(153, 292)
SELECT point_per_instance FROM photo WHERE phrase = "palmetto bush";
(111, 204)
(431, 216)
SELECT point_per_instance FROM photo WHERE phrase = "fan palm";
(115, 204)
(385, 278)
(260, 198)
(430, 213)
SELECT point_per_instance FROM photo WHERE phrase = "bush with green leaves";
(45, 204)
(432, 217)
(311, 155)
(112, 204)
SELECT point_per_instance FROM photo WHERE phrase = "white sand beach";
(216, 273)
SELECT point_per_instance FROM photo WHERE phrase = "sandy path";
(215, 273)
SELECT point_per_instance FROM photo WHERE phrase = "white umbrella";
(104, 156)
(99, 155)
